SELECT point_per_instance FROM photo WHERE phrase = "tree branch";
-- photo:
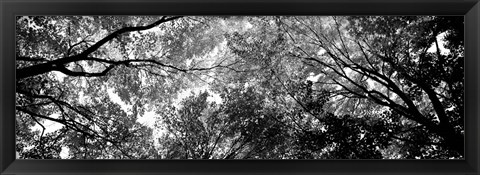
(59, 63)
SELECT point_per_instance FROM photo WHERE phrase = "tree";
(69, 66)
(239, 128)
(386, 60)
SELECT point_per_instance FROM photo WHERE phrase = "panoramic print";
(239, 87)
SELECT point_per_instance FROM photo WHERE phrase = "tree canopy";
(240, 87)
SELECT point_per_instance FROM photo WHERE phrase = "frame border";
(10, 8)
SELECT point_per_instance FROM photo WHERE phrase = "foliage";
(267, 87)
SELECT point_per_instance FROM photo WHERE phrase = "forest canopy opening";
(240, 87)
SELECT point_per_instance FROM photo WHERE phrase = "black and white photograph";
(239, 87)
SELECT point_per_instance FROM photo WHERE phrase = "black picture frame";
(10, 8)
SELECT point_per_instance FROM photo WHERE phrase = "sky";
(441, 42)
